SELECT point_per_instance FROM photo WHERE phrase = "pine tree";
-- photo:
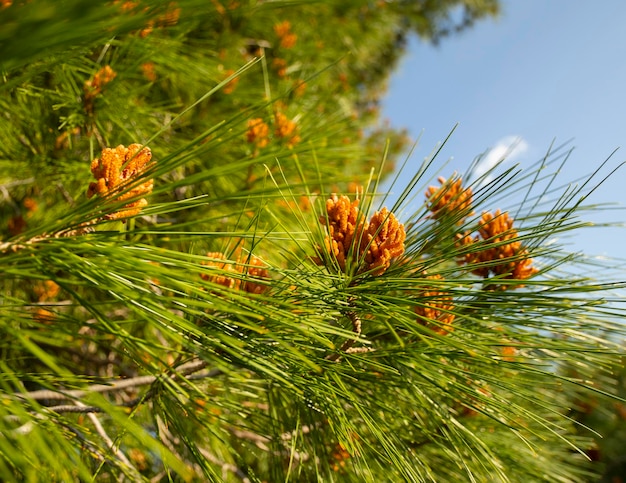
(202, 281)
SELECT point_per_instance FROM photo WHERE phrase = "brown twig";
(345, 347)
(186, 369)
(17, 245)
(110, 444)
(226, 467)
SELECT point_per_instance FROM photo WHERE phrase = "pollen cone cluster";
(94, 86)
(258, 132)
(115, 170)
(503, 254)
(286, 129)
(496, 250)
(450, 199)
(251, 266)
(285, 35)
(384, 241)
(369, 245)
(44, 292)
(344, 222)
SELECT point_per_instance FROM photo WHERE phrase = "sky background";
(543, 71)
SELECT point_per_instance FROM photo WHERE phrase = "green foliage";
(213, 332)
(607, 417)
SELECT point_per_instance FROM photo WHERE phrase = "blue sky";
(544, 70)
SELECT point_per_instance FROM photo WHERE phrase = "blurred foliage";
(185, 298)
(603, 419)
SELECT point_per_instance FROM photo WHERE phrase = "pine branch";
(111, 445)
(347, 345)
(182, 371)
